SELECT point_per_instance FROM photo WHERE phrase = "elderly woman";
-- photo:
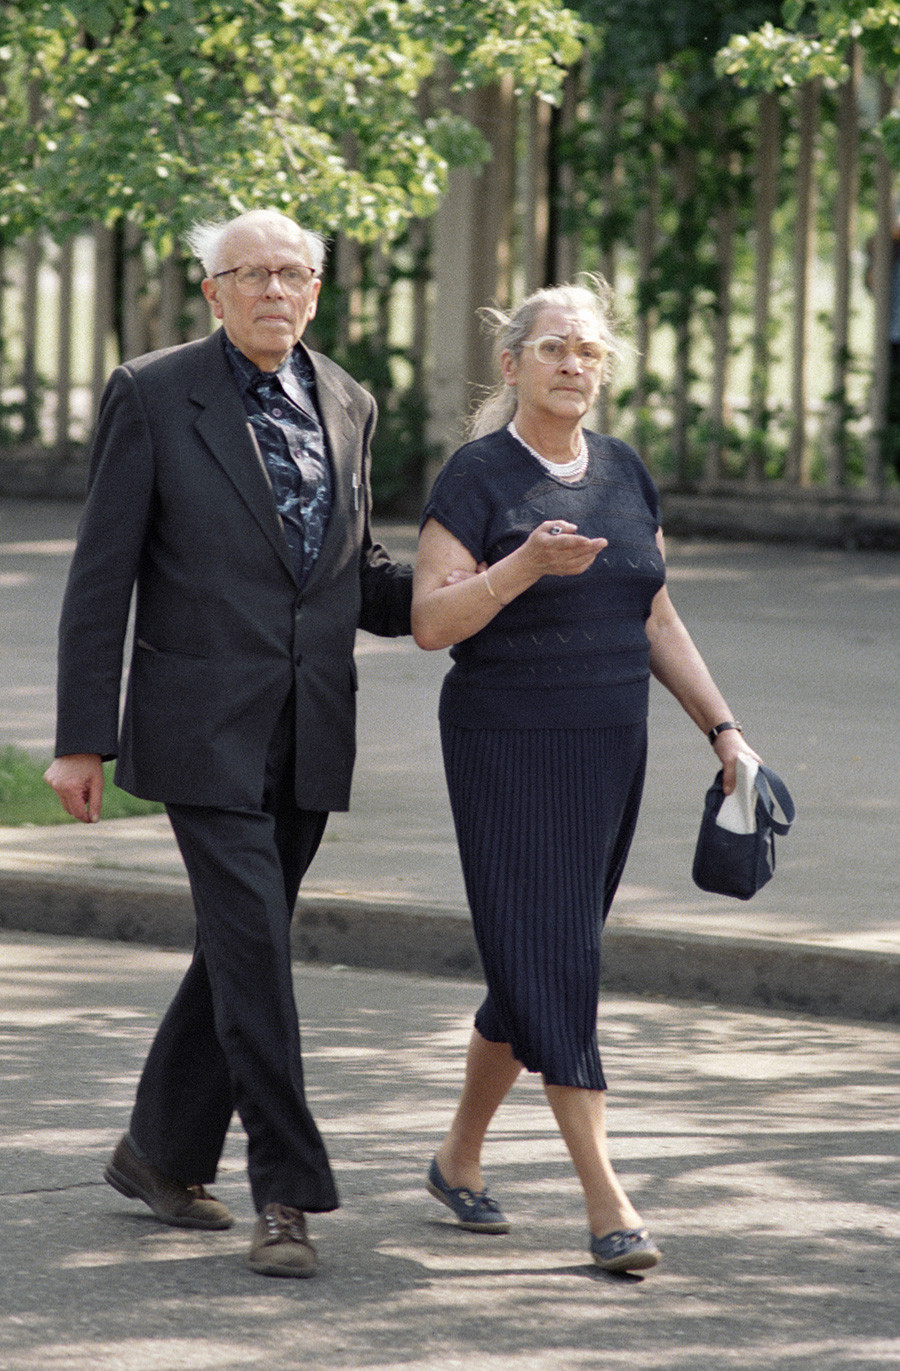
(541, 565)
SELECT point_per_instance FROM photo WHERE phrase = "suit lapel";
(344, 449)
(222, 424)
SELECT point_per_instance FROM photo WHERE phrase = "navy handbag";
(739, 864)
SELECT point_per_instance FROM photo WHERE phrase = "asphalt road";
(761, 1149)
(803, 641)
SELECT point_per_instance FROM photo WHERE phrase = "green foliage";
(399, 447)
(635, 38)
(678, 128)
(356, 332)
(890, 136)
(813, 43)
(19, 417)
(668, 146)
(338, 111)
(25, 797)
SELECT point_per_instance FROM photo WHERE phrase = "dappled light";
(762, 1148)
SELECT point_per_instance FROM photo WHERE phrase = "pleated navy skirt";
(544, 820)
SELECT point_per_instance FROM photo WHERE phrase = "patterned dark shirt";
(282, 413)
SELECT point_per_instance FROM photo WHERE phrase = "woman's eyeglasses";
(551, 350)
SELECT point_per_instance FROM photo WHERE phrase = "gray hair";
(512, 329)
(207, 240)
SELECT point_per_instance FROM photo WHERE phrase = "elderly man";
(229, 485)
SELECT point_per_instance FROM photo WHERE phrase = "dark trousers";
(230, 1040)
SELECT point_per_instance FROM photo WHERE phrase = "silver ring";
(554, 530)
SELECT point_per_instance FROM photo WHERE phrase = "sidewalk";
(760, 1148)
(804, 643)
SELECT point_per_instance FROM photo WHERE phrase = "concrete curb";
(754, 972)
(798, 517)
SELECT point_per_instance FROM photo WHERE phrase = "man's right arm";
(78, 781)
(94, 618)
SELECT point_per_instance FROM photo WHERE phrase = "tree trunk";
(134, 321)
(169, 328)
(687, 172)
(721, 329)
(103, 312)
(64, 350)
(563, 247)
(647, 234)
(798, 472)
(612, 193)
(844, 239)
(536, 234)
(490, 262)
(766, 201)
(347, 267)
(472, 268)
(31, 402)
(881, 288)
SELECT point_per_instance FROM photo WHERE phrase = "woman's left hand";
(728, 747)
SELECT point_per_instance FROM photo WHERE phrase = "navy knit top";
(571, 651)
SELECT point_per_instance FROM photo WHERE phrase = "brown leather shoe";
(280, 1246)
(182, 1206)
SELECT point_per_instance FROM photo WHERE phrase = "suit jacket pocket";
(168, 651)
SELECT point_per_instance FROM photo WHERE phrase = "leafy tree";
(635, 37)
(659, 60)
(341, 111)
(663, 146)
(814, 43)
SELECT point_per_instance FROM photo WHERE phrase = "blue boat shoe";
(475, 1211)
(627, 1249)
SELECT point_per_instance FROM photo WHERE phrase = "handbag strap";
(769, 781)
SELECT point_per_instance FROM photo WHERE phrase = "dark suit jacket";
(179, 506)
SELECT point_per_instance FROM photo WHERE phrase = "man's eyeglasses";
(255, 280)
(551, 350)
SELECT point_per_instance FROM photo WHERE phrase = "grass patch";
(26, 798)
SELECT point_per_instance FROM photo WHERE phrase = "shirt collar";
(295, 375)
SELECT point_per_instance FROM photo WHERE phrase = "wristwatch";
(713, 733)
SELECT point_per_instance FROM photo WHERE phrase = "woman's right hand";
(454, 596)
(556, 548)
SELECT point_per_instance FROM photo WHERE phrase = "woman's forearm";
(453, 598)
(446, 614)
(677, 664)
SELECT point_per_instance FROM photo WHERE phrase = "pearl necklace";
(566, 471)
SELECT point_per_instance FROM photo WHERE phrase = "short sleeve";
(461, 499)
(641, 476)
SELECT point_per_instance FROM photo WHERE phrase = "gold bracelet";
(490, 589)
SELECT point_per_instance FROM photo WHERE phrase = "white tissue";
(738, 810)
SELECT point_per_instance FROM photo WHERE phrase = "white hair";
(207, 240)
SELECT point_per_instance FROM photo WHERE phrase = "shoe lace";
(478, 1200)
(284, 1222)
